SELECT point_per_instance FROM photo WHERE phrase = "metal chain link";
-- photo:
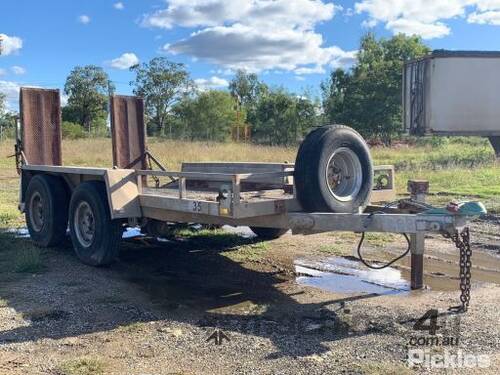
(462, 242)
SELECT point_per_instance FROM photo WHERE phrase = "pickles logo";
(428, 359)
(441, 351)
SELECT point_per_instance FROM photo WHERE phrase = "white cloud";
(420, 17)
(307, 70)
(483, 5)
(490, 17)
(427, 17)
(488, 12)
(213, 82)
(84, 19)
(205, 13)
(125, 61)
(2, 72)
(119, 5)
(254, 35)
(243, 47)
(414, 27)
(10, 44)
(18, 70)
(11, 90)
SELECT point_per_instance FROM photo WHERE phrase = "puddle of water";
(346, 276)
(24, 233)
(132, 233)
(19, 232)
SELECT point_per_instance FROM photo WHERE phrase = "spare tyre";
(333, 170)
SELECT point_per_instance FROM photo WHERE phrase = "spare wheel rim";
(344, 174)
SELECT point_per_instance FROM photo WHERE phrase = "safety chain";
(462, 242)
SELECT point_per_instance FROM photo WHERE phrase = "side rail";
(228, 203)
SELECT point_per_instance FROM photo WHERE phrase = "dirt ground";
(162, 308)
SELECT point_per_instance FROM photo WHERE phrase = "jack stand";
(418, 190)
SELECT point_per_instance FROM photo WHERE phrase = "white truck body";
(453, 93)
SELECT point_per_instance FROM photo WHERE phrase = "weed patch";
(82, 366)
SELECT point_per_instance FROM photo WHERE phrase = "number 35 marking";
(196, 206)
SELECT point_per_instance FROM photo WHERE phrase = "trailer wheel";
(268, 233)
(333, 170)
(46, 210)
(95, 237)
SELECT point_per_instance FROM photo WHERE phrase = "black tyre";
(268, 233)
(95, 237)
(46, 210)
(333, 170)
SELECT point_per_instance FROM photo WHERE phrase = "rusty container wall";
(128, 131)
(40, 111)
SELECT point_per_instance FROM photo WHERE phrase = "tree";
(247, 89)
(369, 96)
(4, 123)
(283, 118)
(88, 88)
(7, 119)
(334, 91)
(208, 116)
(161, 83)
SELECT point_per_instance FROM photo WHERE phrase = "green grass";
(336, 249)
(379, 239)
(462, 168)
(82, 366)
(18, 255)
(248, 253)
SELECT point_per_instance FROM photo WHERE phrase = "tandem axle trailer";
(331, 187)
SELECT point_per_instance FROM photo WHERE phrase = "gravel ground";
(154, 311)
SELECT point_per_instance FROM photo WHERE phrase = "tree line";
(367, 97)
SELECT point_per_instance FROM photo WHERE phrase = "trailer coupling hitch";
(462, 242)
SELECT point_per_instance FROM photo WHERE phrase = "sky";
(289, 43)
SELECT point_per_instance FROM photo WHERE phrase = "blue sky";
(293, 43)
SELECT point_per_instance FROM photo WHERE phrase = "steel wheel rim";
(84, 224)
(36, 211)
(344, 174)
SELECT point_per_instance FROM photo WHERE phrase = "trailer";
(331, 187)
(453, 93)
